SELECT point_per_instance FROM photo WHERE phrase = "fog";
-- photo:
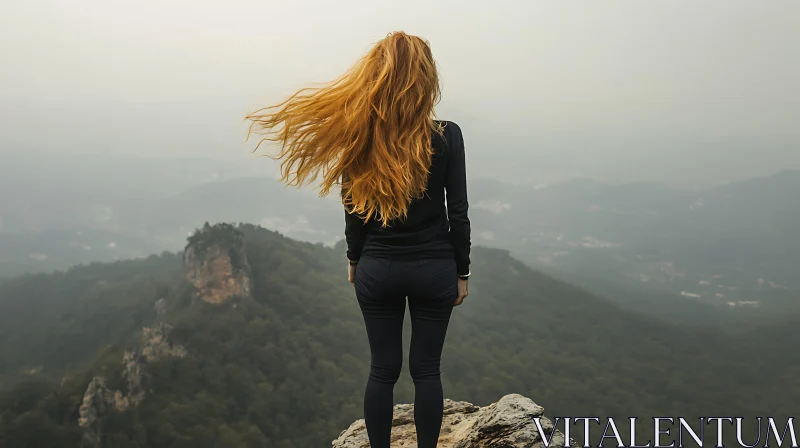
(684, 92)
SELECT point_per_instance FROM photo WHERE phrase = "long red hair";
(369, 131)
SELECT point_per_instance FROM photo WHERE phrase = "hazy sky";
(673, 90)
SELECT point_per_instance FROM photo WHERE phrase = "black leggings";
(382, 286)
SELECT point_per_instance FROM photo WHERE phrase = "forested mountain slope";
(285, 364)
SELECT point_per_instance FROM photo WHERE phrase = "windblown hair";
(369, 131)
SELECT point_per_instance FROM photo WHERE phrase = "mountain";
(250, 338)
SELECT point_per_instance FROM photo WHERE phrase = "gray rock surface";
(507, 423)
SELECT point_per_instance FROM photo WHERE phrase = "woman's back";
(436, 225)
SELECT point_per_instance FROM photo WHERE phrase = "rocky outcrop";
(216, 263)
(133, 374)
(507, 423)
(98, 399)
(157, 345)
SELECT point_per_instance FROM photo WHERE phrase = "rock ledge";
(507, 423)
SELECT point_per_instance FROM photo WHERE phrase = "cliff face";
(216, 264)
(507, 423)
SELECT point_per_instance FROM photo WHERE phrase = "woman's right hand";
(351, 273)
(463, 291)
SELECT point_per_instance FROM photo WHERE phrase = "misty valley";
(732, 248)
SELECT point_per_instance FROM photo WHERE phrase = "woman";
(373, 132)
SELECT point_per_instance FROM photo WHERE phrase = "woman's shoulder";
(450, 131)
(451, 135)
(448, 125)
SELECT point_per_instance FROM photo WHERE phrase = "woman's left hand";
(351, 273)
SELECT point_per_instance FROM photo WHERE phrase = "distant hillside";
(283, 361)
(54, 323)
(299, 213)
(59, 249)
(729, 243)
(72, 190)
(664, 305)
(103, 226)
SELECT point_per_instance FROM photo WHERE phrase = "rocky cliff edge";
(507, 423)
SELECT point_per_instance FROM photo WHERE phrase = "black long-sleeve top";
(437, 225)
